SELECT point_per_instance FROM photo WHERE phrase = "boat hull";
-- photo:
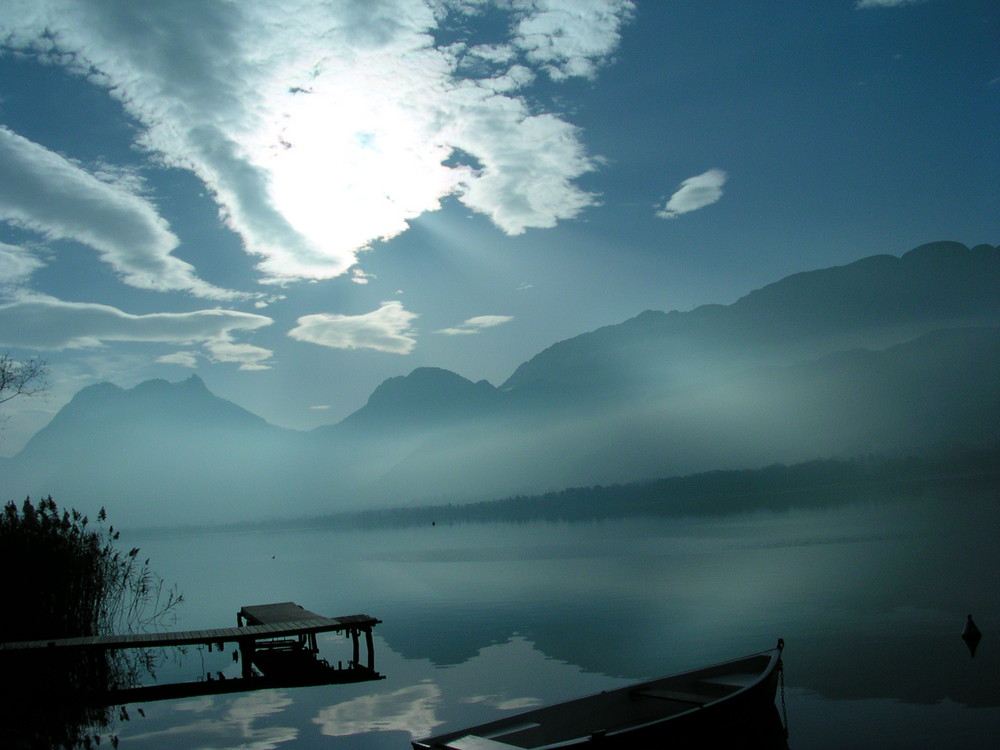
(728, 701)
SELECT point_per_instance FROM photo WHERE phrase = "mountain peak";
(151, 405)
(98, 391)
(426, 395)
(941, 251)
(191, 384)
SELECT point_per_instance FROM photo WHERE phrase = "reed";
(65, 577)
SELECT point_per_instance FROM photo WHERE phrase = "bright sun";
(356, 161)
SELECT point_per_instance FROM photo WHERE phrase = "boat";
(733, 699)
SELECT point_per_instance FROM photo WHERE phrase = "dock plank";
(306, 622)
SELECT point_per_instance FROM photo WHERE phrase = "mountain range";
(884, 354)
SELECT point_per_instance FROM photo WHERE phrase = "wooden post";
(247, 648)
(371, 649)
(354, 636)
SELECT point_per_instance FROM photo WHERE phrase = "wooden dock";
(280, 639)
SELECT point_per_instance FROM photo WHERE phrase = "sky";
(296, 200)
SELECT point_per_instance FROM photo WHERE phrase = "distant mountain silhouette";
(879, 355)
(154, 452)
(939, 388)
(874, 302)
(154, 410)
(428, 396)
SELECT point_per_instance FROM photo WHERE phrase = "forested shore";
(778, 487)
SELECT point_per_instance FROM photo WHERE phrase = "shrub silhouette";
(65, 577)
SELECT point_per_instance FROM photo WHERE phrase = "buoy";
(971, 635)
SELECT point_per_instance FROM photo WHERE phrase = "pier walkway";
(280, 639)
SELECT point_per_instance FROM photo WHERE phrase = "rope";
(784, 708)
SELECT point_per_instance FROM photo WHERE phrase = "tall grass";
(65, 577)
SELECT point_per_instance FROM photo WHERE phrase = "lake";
(481, 620)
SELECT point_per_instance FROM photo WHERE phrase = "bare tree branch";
(22, 377)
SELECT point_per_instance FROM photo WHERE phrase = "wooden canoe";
(726, 698)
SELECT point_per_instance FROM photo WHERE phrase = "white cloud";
(184, 359)
(43, 191)
(46, 323)
(386, 329)
(529, 163)
(223, 349)
(476, 324)
(16, 264)
(571, 37)
(323, 129)
(694, 193)
(884, 3)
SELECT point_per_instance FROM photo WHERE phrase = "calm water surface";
(481, 620)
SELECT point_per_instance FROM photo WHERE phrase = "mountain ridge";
(661, 393)
(109, 407)
(880, 299)
(433, 395)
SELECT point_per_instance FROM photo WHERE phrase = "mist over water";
(881, 356)
(479, 620)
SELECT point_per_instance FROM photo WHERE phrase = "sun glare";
(355, 163)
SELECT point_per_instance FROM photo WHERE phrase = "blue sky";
(298, 200)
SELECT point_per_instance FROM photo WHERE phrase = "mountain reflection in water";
(479, 621)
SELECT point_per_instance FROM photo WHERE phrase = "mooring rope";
(784, 708)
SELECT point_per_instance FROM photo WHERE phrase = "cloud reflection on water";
(235, 728)
(870, 598)
(410, 709)
(504, 704)
(454, 695)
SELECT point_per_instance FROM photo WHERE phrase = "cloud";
(184, 359)
(529, 164)
(47, 323)
(477, 324)
(360, 277)
(694, 193)
(44, 192)
(884, 3)
(322, 130)
(386, 329)
(16, 264)
(223, 349)
(571, 37)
